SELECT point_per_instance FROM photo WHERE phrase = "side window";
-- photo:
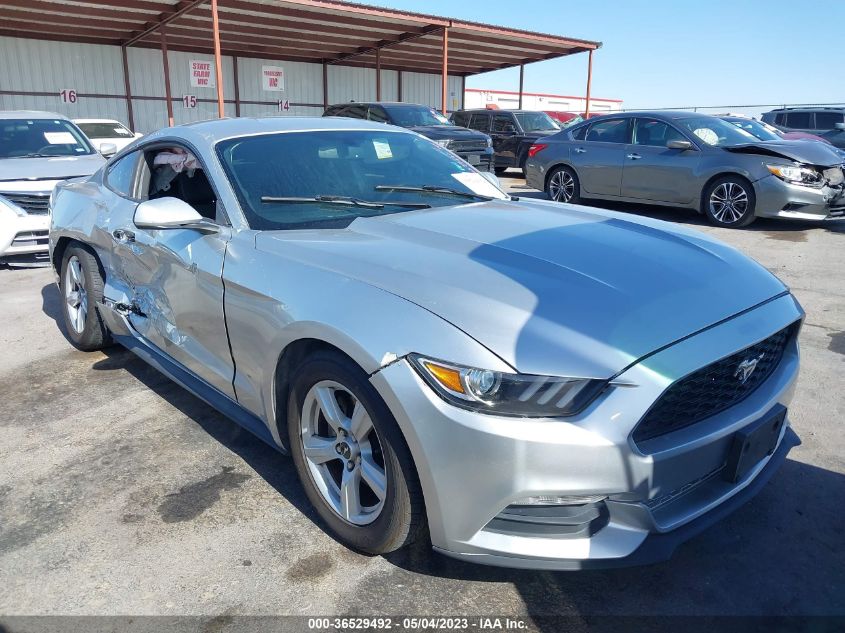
(780, 119)
(655, 133)
(174, 172)
(828, 120)
(480, 122)
(798, 120)
(580, 133)
(378, 114)
(460, 119)
(120, 176)
(503, 123)
(609, 131)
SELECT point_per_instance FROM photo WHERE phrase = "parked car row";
(519, 382)
(686, 159)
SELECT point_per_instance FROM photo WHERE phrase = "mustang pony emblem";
(746, 368)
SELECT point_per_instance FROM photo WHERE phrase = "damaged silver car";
(687, 159)
(525, 383)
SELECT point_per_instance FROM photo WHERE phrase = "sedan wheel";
(563, 186)
(343, 453)
(351, 457)
(82, 288)
(730, 202)
(76, 297)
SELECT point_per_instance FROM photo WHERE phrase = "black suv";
(513, 132)
(474, 148)
(827, 122)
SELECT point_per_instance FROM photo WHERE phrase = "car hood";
(820, 154)
(53, 168)
(551, 289)
(438, 132)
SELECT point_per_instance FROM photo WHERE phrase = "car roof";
(474, 110)
(218, 129)
(96, 121)
(31, 114)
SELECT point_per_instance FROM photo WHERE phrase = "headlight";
(806, 176)
(12, 206)
(507, 394)
(444, 142)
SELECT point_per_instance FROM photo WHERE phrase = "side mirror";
(839, 126)
(491, 178)
(681, 145)
(108, 149)
(138, 135)
(171, 213)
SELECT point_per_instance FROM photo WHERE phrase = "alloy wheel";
(343, 453)
(76, 296)
(728, 202)
(562, 186)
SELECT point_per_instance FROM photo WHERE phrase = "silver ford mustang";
(539, 385)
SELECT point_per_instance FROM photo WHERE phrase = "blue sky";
(667, 53)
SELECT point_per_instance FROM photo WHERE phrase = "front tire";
(82, 288)
(562, 185)
(729, 202)
(351, 457)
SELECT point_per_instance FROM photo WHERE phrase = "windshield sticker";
(60, 138)
(382, 150)
(121, 132)
(477, 184)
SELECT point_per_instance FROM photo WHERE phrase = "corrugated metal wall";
(47, 67)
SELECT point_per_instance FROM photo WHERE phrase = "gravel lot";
(120, 493)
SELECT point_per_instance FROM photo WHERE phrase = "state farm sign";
(202, 73)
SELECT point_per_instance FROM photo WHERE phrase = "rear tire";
(499, 171)
(81, 285)
(729, 202)
(353, 462)
(562, 185)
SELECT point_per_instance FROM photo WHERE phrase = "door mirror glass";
(679, 144)
(108, 149)
(171, 213)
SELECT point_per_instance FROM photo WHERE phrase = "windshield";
(406, 116)
(111, 129)
(715, 132)
(536, 122)
(756, 129)
(32, 138)
(294, 180)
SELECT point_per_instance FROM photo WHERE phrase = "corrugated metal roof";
(329, 31)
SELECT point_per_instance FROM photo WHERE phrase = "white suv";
(37, 150)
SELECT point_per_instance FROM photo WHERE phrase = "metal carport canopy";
(318, 31)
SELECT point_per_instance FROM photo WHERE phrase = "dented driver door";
(174, 279)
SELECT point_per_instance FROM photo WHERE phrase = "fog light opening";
(560, 500)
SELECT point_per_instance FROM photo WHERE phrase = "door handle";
(123, 236)
(580, 150)
(633, 156)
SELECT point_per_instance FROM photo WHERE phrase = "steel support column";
(445, 77)
(237, 86)
(325, 85)
(589, 83)
(218, 61)
(378, 74)
(399, 85)
(167, 95)
(521, 80)
(127, 88)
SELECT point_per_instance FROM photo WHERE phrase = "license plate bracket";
(753, 443)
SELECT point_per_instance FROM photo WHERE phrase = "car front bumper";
(482, 160)
(475, 467)
(23, 235)
(779, 199)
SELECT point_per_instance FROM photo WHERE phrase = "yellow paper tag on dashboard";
(382, 150)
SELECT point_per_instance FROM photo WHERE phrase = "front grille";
(713, 388)
(31, 238)
(467, 146)
(32, 203)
